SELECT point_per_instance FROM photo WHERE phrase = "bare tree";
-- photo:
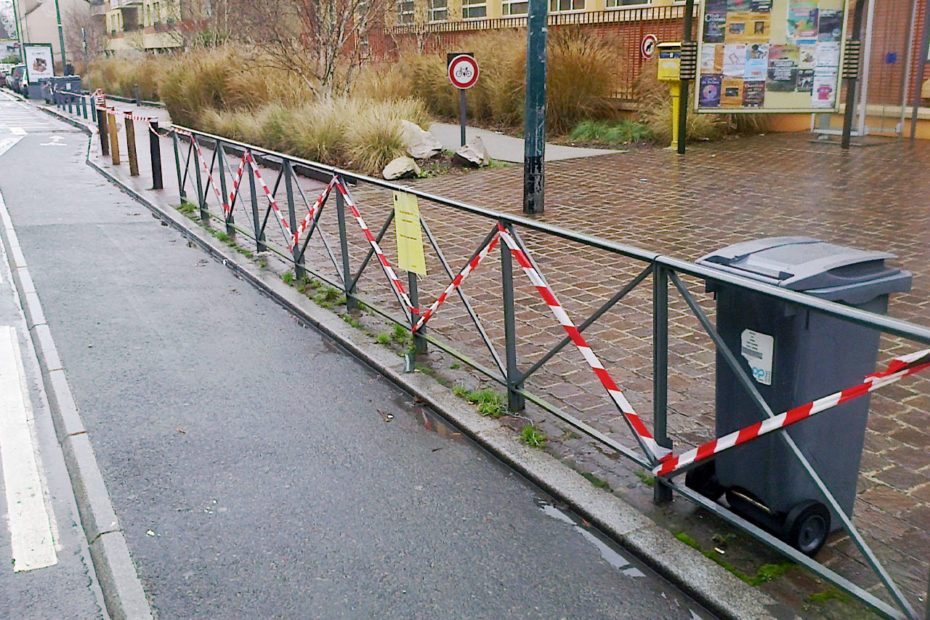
(322, 41)
(80, 25)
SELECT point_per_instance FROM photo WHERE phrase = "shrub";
(656, 112)
(609, 132)
(580, 78)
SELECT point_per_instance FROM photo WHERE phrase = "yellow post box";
(669, 70)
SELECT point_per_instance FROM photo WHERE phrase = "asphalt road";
(256, 468)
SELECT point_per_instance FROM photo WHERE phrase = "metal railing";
(205, 176)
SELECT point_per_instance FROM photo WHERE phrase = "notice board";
(770, 55)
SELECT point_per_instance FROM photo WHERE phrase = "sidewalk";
(686, 207)
(506, 148)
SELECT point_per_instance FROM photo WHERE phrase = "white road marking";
(17, 131)
(55, 141)
(7, 143)
(29, 519)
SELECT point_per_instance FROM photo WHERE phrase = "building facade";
(140, 25)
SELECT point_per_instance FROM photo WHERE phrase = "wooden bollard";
(131, 144)
(114, 138)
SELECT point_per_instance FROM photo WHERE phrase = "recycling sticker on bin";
(757, 349)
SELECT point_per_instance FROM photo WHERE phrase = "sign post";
(463, 73)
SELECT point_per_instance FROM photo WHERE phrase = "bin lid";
(823, 269)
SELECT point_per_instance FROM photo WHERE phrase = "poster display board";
(39, 63)
(770, 55)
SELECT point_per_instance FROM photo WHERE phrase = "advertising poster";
(709, 93)
(770, 55)
(39, 62)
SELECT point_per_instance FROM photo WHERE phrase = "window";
(514, 7)
(558, 6)
(613, 4)
(473, 9)
(438, 10)
(404, 12)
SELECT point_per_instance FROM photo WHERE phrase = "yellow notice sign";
(409, 237)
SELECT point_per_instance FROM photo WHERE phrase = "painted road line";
(7, 143)
(30, 520)
(17, 131)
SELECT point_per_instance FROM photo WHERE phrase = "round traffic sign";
(648, 46)
(463, 71)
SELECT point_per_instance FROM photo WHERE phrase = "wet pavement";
(718, 194)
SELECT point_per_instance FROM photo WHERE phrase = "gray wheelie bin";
(794, 356)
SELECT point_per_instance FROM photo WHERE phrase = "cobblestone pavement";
(718, 194)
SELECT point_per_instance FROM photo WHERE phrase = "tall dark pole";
(534, 130)
(685, 78)
(19, 36)
(61, 40)
(851, 61)
(922, 63)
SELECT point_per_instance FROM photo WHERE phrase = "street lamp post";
(61, 39)
(19, 37)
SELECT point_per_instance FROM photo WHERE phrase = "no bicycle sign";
(463, 70)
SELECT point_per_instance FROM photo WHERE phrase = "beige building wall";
(39, 23)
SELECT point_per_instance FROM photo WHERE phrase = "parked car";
(16, 76)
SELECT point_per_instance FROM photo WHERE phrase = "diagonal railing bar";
(285, 227)
(487, 245)
(788, 551)
(406, 305)
(644, 438)
(187, 161)
(315, 213)
(799, 456)
(610, 303)
(465, 301)
(371, 250)
(236, 180)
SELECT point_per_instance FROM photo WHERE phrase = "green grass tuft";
(533, 437)
(594, 480)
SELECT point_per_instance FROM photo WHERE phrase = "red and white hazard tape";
(457, 281)
(311, 213)
(274, 203)
(385, 265)
(210, 183)
(898, 369)
(643, 436)
(135, 117)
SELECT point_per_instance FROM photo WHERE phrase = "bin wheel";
(807, 526)
(703, 479)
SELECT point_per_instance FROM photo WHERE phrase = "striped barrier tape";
(210, 183)
(457, 281)
(646, 441)
(311, 213)
(385, 264)
(898, 369)
(274, 203)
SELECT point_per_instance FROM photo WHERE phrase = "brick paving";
(718, 194)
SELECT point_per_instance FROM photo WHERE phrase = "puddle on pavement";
(610, 555)
(424, 417)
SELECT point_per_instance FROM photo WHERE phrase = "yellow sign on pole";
(409, 236)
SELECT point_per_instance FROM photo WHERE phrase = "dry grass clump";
(581, 77)
(119, 75)
(361, 134)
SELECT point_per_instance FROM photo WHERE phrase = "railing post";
(419, 338)
(288, 171)
(182, 194)
(93, 107)
(155, 155)
(131, 144)
(84, 108)
(69, 105)
(201, 199)
(351, 302)
(221, 161)
(515, 400)
(114, 138)
(661, 493)
(103, 131)
(256, 221)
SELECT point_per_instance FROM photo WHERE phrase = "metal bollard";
(155, 154)
(93, 108)
(70, 99)
(138, 96)
(103, 130)
(114, 138)
(131, 144)
(84, 107)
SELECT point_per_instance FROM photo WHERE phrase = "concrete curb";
(122, 591)
(711, 585)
